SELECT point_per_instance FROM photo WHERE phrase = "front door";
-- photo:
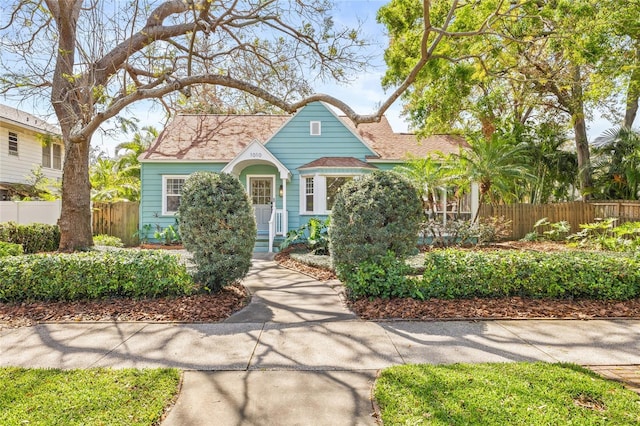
(261, 191)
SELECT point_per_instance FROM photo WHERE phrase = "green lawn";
(85, 397)
(502, 394)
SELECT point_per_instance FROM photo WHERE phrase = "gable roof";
(24, 119)
(220, 138)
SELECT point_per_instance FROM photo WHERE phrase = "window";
(334, 183)
(315, 128)
(318, 193)
(171, 193)
(261, 191)
(13, 143)
(52, 156)
(57, 156)
(46, 155)
(308, 192)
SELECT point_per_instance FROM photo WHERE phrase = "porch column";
(475, 200)
(285, 215)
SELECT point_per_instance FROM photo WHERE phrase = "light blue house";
(291, 165)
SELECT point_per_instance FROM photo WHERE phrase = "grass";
(501, 394)
(85, 397)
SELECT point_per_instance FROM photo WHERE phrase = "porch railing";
(276, 225)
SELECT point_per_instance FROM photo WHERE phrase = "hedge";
(93, 275)
(34, 238)
(465, 274)
(10, 249)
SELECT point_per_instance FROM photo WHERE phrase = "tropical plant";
(127, 153)
(110, 184)
(314, 235)
(217, 225)
(617, 164)
(496, 164)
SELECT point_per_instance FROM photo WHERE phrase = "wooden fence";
(524, 216)
(117, 219)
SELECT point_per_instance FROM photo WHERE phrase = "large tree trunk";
(75, 218)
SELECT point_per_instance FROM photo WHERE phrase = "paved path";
(297, 356)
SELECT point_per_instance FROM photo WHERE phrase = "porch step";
(262, 244)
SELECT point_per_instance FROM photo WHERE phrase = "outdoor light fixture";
(280, 191)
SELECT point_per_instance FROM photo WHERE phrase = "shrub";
(107, 240)
(372, 216)
(93, 275)
(10, 249)
(217, 225)
(314, 235)
(465, 274)
(34, 238)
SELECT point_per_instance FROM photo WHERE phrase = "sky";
(363, 94)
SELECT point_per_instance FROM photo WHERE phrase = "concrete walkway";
(297, 356)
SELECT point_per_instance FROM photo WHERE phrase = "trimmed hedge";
(10, 249)
(34, 238)
(464, 274)
(453, 274)
(93, 275)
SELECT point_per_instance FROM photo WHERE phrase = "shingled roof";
(17, 117)
(209, 137)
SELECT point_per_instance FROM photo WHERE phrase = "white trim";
(319, 192)
(273, 185)
(255, 153)
(315, 128)
(164, 192)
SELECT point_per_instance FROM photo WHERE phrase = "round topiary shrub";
(372, 217)
(217, 225)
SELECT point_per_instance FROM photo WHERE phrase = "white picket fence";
(26, 212)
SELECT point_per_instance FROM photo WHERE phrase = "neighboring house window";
(46, 155)
(171, 193)
(334, 183)
(13, 143)
(315, 128)
(52, 156)
(308, 192)
(57, 156)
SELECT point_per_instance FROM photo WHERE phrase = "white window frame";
(165, 178)
(13, 137)
(319, 192)
(315, 128)
(53, 164)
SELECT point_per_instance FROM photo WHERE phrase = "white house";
(26, 142)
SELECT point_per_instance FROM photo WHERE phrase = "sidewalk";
(297, 356)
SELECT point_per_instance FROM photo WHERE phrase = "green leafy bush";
(107, 240)
(93, 275)
(603, 235)
(217, 225)
(465, 274)
(387, 277)
(10, 249)
(314, 235)
(372, 216)
(34, 238)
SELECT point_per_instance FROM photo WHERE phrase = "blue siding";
(151, 194)
(294, 146)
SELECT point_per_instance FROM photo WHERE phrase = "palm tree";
(427, 174)
(496, 165)
(109, 184)
(128, 160)
(617, 163)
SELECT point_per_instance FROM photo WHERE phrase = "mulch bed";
(196, 308)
